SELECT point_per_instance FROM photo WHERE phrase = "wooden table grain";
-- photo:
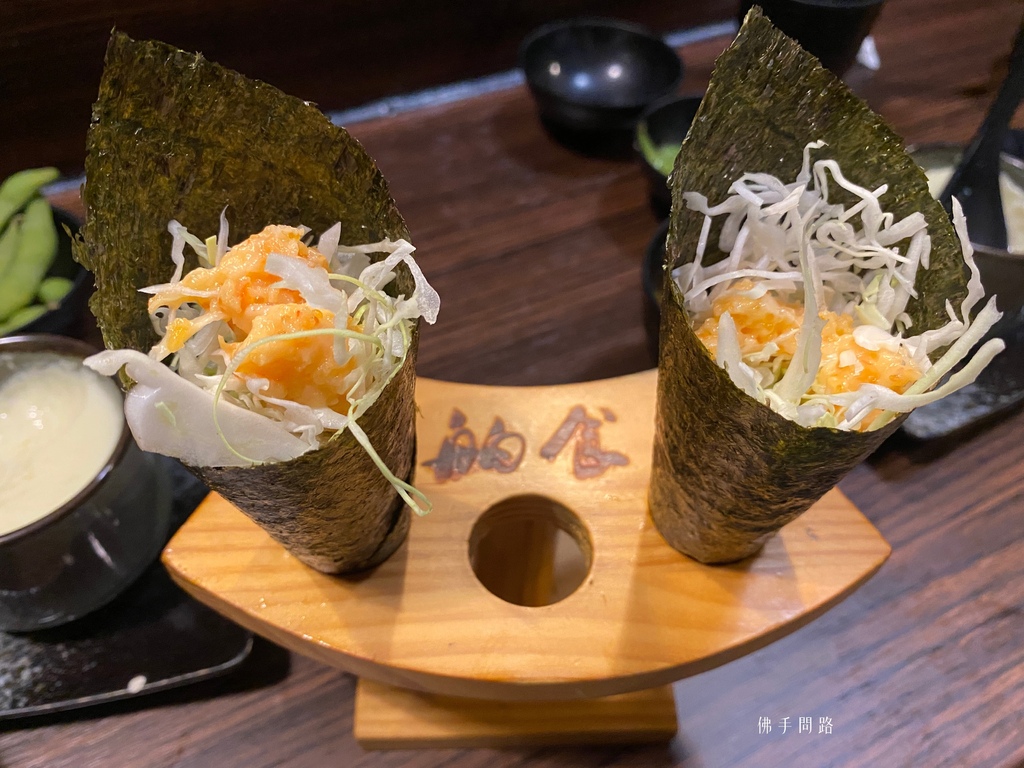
(536, 252)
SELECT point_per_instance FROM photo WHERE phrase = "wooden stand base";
(538, 577)
(396, 718)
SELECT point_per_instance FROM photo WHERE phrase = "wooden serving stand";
(534, 490)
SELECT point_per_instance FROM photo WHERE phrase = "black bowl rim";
(596, 21)
(72, 348)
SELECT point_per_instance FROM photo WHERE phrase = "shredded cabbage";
(858, 261)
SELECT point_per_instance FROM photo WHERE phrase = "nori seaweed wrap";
(729, 471)
(176, 137)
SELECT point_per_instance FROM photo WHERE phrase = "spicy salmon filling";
(767, 330)
(250, 304)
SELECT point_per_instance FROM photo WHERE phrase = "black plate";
(998, 390)
(151, 638)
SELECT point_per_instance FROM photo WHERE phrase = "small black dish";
(87, 549)
(663, 124)
(63, 318)
(597, 75)
(151, 638)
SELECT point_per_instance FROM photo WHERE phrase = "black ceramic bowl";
(663, 124)
(82, 554)
(597, 74)
(65, 316)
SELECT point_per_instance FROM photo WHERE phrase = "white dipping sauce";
(59, 424)
(1013, 203)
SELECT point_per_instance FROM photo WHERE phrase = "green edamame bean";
(21, 187)
(23, 316)
(36, 251)
(52, 290)
(10, 240)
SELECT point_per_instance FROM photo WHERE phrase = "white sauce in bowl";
(1013, 203)
(59, 425)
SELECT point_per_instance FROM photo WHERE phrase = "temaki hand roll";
(275, 356)
(837, 298)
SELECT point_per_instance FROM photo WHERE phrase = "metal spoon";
(975, 182)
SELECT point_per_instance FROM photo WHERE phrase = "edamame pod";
(23, 316)
(21, 187)
(36, 250)
(10, 239)
(52, 290)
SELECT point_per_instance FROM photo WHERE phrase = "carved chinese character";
(588, 459)
(502, 450)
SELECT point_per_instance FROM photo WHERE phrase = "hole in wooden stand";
(530, 550)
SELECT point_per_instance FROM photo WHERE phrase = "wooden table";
(536, 252)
